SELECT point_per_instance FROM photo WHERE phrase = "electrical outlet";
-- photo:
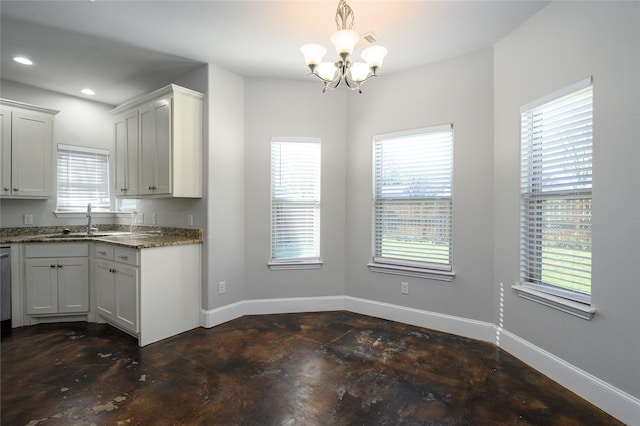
(140, 218)
(190, 220)
(154, 218)
(28, 219)
(222, 287)
(404, 288)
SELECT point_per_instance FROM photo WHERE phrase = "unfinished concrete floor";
(330, 368)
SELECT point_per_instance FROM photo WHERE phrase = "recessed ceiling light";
(88, 92)
(22, 60)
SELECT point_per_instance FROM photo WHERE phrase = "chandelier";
(352, 73)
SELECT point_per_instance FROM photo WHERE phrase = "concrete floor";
(330, 368)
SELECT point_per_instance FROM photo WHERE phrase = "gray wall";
(224, 237)
(457, 91)
(479, 93)
(562, 44)
(79, 122)
(174, 211)
(87, 123)
(284, 108)
(219, 212)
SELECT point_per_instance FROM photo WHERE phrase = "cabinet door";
(126, 146)
(104, 276)
(41, 286)
(147, 150)
(127, 285)
(155, 147)
(5, 151)
(163, 147)
(31, 153)
(73, 284)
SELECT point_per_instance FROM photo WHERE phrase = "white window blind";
(83, 177)
(556, 156)
(413, 179)
(295, 200)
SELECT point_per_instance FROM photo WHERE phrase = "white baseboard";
(614, 401)
(294, 304)
(441, 322)
(211, 318)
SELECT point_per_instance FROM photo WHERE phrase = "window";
(127, 204)
(555, 222)
(83, 178)
(413, 176)
(295, 203)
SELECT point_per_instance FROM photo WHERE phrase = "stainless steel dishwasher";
(5, 289)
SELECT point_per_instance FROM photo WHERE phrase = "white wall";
(79, 122)
(457, 91)
(286, 108)
(562, 44)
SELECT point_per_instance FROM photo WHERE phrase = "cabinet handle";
(123, 257)
(6, 189)
(15, 189)
(104, 253)
(53, 266)
(123, 189)
(152, 187)
(60, 266)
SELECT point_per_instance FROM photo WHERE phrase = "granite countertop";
(138, 237)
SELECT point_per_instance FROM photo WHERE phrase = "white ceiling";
(123, 48)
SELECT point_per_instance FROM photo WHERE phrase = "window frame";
(301, 262)
(77, 208)
(403, 266)
(557, 296)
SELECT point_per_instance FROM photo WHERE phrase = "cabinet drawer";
(104, 251)
(56, 250)
(127, 255)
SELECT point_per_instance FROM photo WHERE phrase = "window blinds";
(413, 177)
(556, 159)
(295, 199)
(83, 177)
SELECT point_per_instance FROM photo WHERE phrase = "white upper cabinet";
(168, 137)
(26, 150)
(126, 150)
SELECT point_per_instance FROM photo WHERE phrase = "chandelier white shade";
(345, 39)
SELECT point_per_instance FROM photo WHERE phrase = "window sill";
(288, 266)
(579, 310)
(408, 271)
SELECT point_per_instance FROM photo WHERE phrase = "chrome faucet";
(90, 230)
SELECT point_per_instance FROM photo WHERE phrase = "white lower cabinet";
(152, 293)
(57, 279)
(117, 284)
